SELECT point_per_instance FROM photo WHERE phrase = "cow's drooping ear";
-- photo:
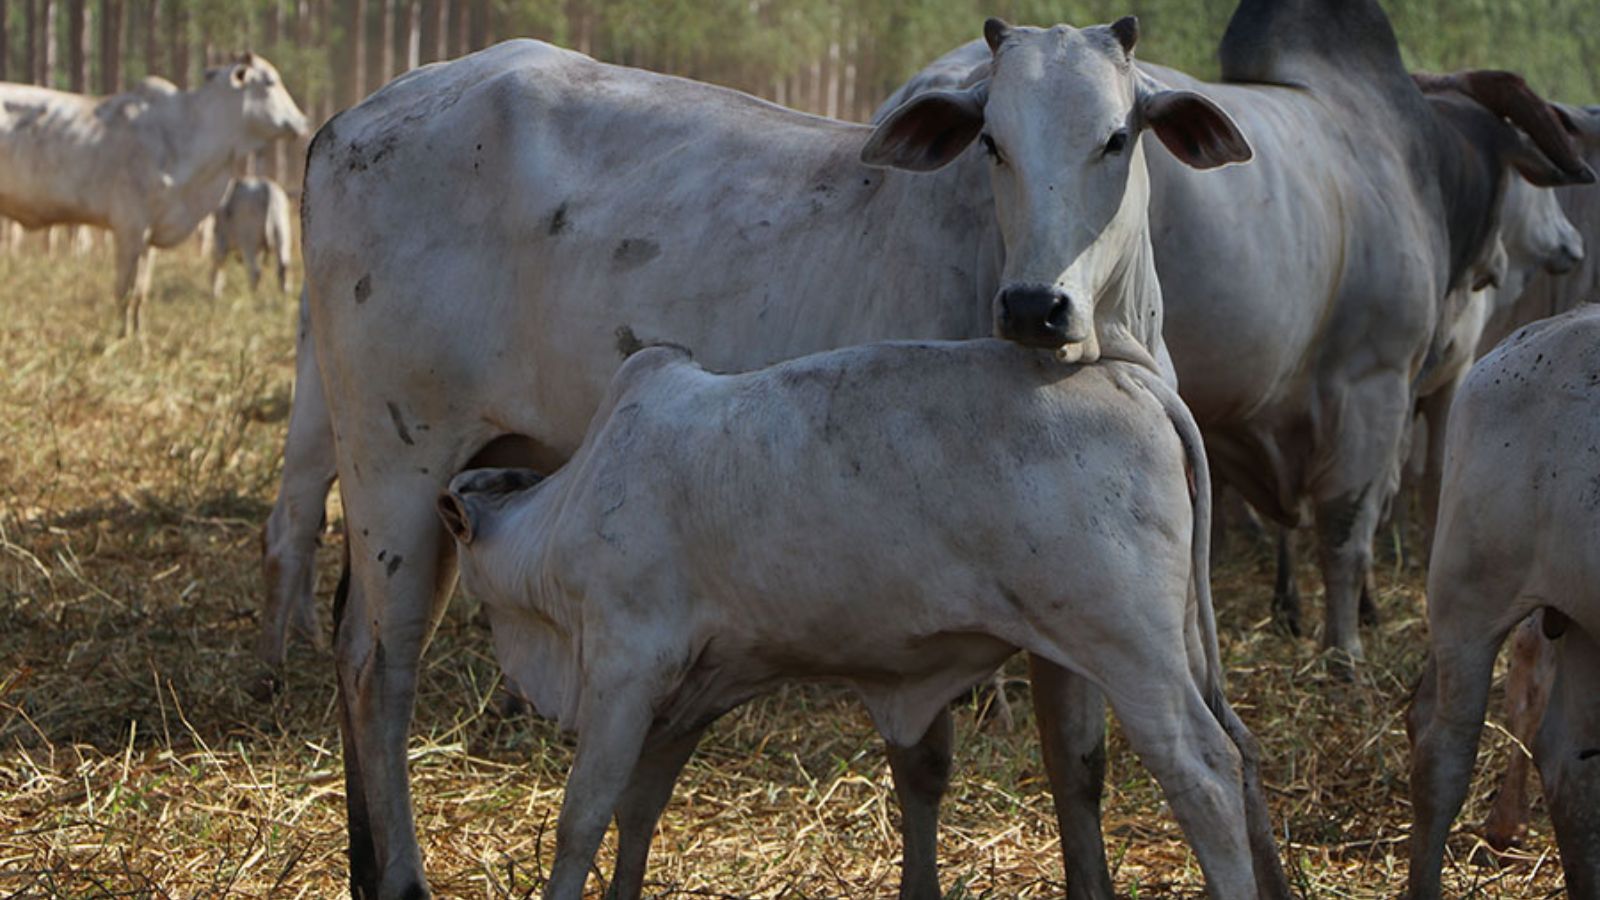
(238, 75)
(1540, 170)
(928, 131)
(457, 517)
(1126, 31)
(1194, 129)
(995, 32)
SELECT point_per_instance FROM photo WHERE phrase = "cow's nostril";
(1057, 319)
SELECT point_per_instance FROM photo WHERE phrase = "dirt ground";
(134, 762)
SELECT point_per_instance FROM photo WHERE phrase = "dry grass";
(133, 762)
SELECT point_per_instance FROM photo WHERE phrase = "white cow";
(252, 220)
(900, 518)
(148, 164)
(487, 239)
(1330, 258)
(1516, 534)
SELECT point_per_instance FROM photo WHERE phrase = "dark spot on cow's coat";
(1586, 755)
(394, 563)
(1337, 517)
(382, 554)
(634, 252)
(400, 425)
(628, 343)
(363, 156)
(364, 288)
(1011, 597)
(558, 222)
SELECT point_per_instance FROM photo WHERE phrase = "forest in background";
(824, 56)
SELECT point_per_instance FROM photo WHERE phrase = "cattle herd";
(700, 395)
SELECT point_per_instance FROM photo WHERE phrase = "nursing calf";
(1517, 517)
(899, 518)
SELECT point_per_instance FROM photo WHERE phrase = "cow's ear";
(1540, 170)
(1194, 129)
(928, 131)
(458, 517)
(238, 75)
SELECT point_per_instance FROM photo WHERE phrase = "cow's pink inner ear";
(457, 518)
(1195, 130)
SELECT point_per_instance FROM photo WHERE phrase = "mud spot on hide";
(633, 253)
(394, 564)
(400, 426)
(364, 288)
(628, 343)
(1010, 595)
(558, 222)
(1337, 517)
(364, 156)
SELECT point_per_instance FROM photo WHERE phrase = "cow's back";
(56, 157)
(541, 216)
(1523, 445)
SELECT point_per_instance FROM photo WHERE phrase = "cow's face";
(269, 112)
(1537, 234)
(1059, 119)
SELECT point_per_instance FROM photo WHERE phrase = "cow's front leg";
(649, 790)
(130, 247)
(1071, 714)
(613, 718)
(921, 777)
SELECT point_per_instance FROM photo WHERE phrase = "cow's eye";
(1117, 142)
(268, 81)
(989, 147)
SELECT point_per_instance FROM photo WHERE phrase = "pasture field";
(134, 761)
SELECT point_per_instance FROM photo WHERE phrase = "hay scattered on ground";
(134, 763)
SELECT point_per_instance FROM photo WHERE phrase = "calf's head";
(1059, 118)
(471, 509)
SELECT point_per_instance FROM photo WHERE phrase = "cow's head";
(1538, 235)
(268, 112)
(1060, 118)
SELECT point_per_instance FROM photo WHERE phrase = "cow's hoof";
(264, 687)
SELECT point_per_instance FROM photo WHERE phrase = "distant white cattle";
(253, 220)
(1518, 517)
(900, 518)
(147, 164)
(486, 240)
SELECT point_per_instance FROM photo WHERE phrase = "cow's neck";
(1128, 311)
(202, 163)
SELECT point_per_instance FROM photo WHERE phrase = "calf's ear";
(1194, 129)
(928, 131)
(457, 516)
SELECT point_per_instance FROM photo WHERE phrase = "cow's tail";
(1271, 883)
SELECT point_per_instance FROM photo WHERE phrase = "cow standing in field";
(1517, 522)
(540, 216)
(1330, 258)
(252, 220)
(148, 164)
(945, 505)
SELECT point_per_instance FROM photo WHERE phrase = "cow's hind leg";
(649, 789)
(1445, 720)
(289, 544)
(1568, 752)
(921, 777)
(1071, 713)
(1286, 591)
(1198, 766)
(1527, 689)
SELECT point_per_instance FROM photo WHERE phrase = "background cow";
(253, 220)
(1517, 520)
(148, 164)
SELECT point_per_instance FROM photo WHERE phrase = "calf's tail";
(1271, 882)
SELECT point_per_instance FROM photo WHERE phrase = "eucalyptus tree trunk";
(113, 31)
(77, 46)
